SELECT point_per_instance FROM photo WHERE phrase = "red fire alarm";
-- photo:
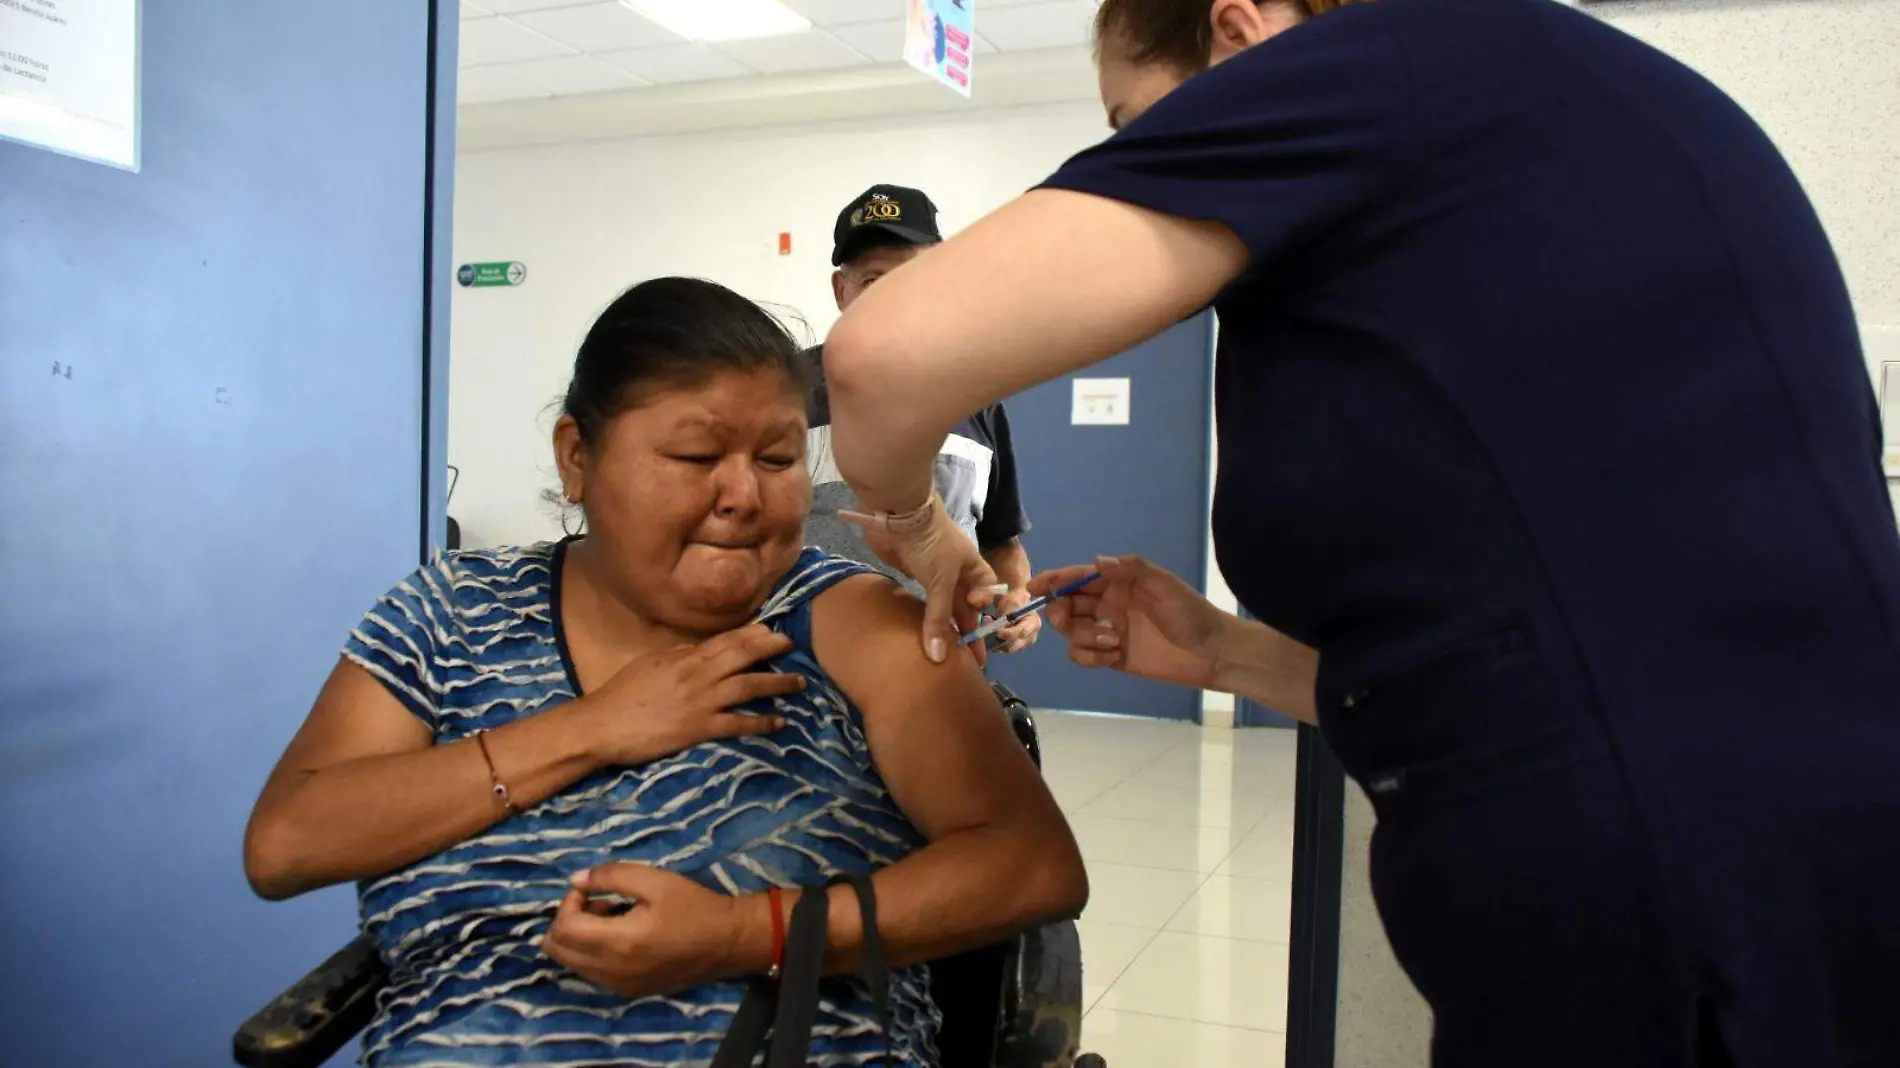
(785, 244)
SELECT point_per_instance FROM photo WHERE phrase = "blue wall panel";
(1139, 489)
(211, 398)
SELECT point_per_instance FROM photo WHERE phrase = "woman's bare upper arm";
(937, 734)
(355, 716)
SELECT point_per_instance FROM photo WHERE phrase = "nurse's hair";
(1179, 33)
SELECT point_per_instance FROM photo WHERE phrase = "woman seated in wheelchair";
(679, 710)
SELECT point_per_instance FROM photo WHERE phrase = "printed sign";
(69, 77)
(482, 275)
(1099, 402)
(938, 39)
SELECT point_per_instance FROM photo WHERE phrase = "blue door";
(1140, 488)
(212, 458)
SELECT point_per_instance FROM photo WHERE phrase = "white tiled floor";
(1188, 835)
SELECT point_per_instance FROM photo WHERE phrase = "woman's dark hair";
(673, 332)
(1179, 33)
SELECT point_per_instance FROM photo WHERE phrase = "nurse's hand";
(1138, 618)
(928, 546)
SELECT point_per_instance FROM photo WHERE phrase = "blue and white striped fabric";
(470, 643)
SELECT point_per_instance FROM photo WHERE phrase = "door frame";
(438, 271)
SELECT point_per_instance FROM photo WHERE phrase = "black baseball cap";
(884, 214)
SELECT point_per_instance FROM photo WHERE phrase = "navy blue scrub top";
(1542, 352)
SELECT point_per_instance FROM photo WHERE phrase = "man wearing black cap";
(877, 233)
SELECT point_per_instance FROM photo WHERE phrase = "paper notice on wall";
(1099, 402)
(1882, 346)
(1890, 413)
(938, 39)
(69, 77)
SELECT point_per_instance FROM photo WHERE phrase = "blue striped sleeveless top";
(473, 642)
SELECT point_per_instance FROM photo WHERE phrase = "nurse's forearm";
(1269, 668)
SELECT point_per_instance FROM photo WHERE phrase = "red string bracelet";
(775, 898)
(497, 787)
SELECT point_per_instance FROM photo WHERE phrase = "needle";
(1037, 605)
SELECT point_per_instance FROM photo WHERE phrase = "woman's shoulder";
(814, 573)
(867, 615)
(460, 582)
(866, 635)
(507, 566)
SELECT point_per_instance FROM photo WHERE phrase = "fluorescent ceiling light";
(722, 20)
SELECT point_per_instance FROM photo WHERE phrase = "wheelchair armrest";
(1020, 720)
(305, 1025)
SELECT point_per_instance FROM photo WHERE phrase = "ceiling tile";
(503, 41)
(1052, 25)
(474, 11)
(671, 64)
(837, 12)
(813, 50)
(603, 27)
(499, 81)
(884, 41)
(511, 7)
(575, 75)
(535, 78)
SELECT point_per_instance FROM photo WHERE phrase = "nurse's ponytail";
(1179, 33)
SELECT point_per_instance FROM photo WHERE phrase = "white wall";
(589, 220)
(1823, 77)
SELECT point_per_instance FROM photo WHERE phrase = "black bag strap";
(790, 1007)
(749, 1026)
(871, 961)
(799, 981)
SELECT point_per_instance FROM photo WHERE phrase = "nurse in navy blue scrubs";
(1549, 460)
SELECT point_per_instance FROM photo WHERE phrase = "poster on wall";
(937, 40)
(69, 77)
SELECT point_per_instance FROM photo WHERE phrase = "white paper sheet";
(1100, 402)
(69, 77)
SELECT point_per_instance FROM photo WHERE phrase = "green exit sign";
(479, 275)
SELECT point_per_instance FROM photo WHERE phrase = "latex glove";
(927, 545)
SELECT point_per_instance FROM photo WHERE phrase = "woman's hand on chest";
(666, 702)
